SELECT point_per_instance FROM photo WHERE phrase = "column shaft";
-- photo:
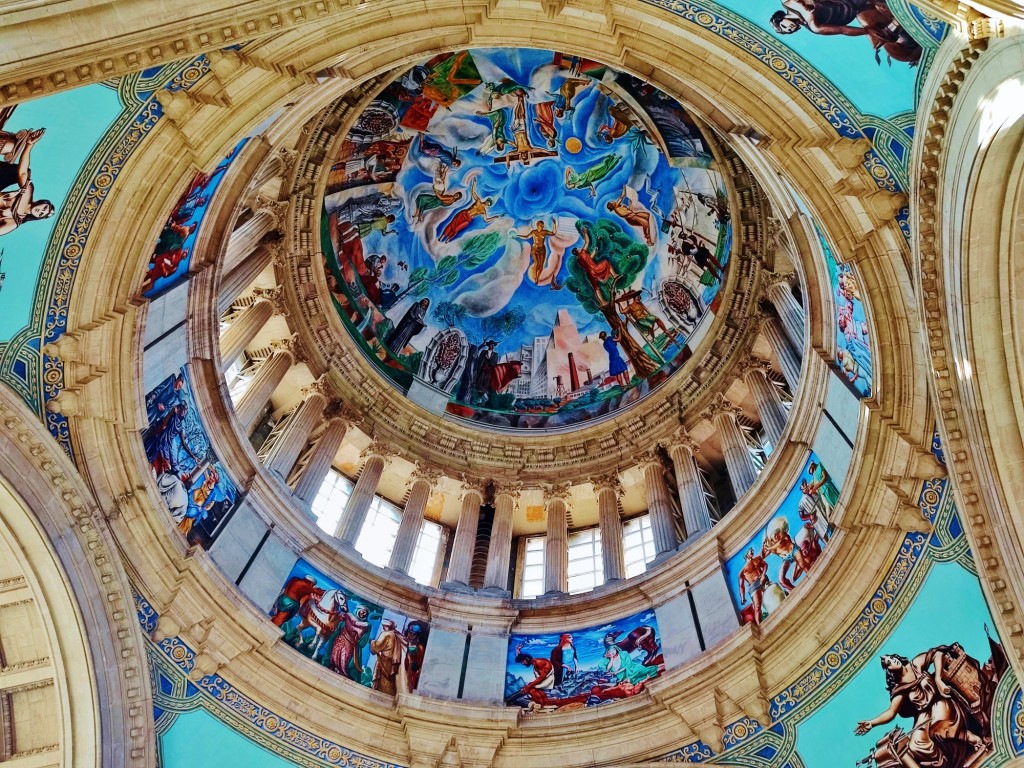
(461, 560)
(612, 553)
(243, 241)
(787, 357)
(738, 460)
(262, 386)
(243, 330)
(790, 312)
(556, 553)
(768, 403)
(295, 435)
(358, 505)
(234, 283)
(271, 167)
(412, 522)
(499, 551)
(659, 507)
(692, 501)
(319, 464)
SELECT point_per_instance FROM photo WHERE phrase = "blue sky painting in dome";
(762, 574)
(43, 145)
(584, 667)
(494, 212)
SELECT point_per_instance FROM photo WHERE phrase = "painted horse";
(322, 614)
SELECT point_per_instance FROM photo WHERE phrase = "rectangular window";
(424, 557)
(586, 564)
(377, 538)
(638, 543)
(532, 583)
(330, 501)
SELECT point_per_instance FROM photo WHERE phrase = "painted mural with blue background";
(350, 635)
(780, 557)
(524, 238)
(853, 334)
(585, 667)
(196, 488)
(174, 250)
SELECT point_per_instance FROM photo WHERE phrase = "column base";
(398, 575)
(663, 557)
(456, 586)
(494, 592)
(554, 593)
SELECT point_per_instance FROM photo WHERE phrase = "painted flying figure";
(591, 176)
(465, 217)
(540, 255)
(438, 197)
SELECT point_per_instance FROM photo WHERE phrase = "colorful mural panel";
(195, 487)
(172, 255)
(524, 239)
(583, 668)
(853, 335)
(778, 559)
(43, 145)
(331, 625)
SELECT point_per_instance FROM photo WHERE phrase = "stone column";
(766, 398)
(262, 386)
(613, 556)
(412, 519)
(499, 552)
(780, 293)
(273, 166)
(787, 357)
(358, 505)
(295, 434)
(556, 547)
(659, 505)
(692, 501)
(234, 283)
(320, 461)
(460, 562)
(243, 330)
(244, 239)
(738, 461)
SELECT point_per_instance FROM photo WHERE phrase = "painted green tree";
(606, 241)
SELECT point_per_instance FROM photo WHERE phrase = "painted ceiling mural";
(524, 239)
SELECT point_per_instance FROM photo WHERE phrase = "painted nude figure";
(539, 254)
(755, 576)
(17, 206)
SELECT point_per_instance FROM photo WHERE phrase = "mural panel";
(777, 560)
(524, 239)
(172, 255)
(853, 335)
(333, 626)
(194, 486)
(583, 668)
(43, 145)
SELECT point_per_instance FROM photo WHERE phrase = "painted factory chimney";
(574, 376)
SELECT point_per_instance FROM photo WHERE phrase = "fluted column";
(613, 555)
(358, 505)
(766, 399)
(692, 501)
(499, 551)
(320, 461)
(787, 357)
(780, 294)
(412, 519)
(272, 167)
(460, 562)
(233, 283)
(244, 239)
(256, 396)
(659, 504)
(243, 330)
(295, 434)
(738, 461)
(556, 546)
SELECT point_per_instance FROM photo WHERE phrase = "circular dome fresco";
(524, 239)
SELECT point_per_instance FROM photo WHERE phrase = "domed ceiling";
(524, 239)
